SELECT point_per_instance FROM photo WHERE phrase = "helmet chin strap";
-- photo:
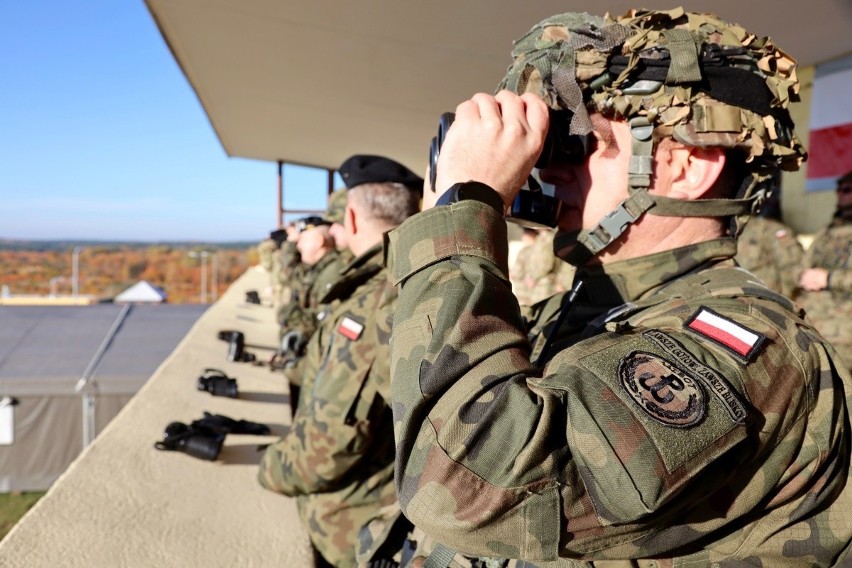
(578, 247)
(589, 242)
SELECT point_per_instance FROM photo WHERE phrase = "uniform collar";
(629, 280)
(355, 274)
(364, 259)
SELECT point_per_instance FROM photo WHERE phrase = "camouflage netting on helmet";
(696, 78)
(336, 206)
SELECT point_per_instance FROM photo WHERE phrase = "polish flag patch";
(350, 328)
(736, 338)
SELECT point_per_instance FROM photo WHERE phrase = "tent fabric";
(44, 351)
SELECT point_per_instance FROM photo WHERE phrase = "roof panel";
(46, 349)
(314, 82)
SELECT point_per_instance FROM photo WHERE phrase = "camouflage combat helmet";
(336, 206)
(688, 76)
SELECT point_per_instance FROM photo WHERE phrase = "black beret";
(362, 168)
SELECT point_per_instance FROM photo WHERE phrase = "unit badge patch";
(350, 328)
(667, 393)
(736, 338)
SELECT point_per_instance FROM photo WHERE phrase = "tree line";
(105, 270)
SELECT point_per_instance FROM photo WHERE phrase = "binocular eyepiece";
(279, 236)
(201, 443)
(218, 383)
(236, 346)
(532, 207)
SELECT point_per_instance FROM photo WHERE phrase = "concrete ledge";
(123, 503)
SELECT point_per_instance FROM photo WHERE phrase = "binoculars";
(532, 207)
(217, 383)
(201, 443)
(203, 438)
(279, 236)
(236, 346)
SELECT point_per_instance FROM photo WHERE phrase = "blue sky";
(101, 136)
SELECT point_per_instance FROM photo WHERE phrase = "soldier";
(827, 277)
(669, 410)
(320, 265)
(287, 267)
(336, 207)
(338, 456)
(768, 249)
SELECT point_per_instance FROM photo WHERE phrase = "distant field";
(11, 244)
(107, 269)
(13, 506)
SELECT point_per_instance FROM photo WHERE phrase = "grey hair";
(390, 203)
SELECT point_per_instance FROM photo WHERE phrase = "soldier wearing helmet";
(668, 410)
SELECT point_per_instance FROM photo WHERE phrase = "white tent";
(45, 350)
(142, 291)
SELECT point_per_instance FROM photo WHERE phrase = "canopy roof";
(44, 350)
(314, 82)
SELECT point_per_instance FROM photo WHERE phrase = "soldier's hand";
(814, 279)
(494, 140)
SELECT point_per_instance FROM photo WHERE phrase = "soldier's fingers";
(470, 108)
(537, 113)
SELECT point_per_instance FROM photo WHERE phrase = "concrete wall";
(123, 503)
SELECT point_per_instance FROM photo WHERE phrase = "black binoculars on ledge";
(218, 383)
(203, 438)
(236, 341)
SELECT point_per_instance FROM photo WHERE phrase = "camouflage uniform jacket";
(639, 435)
(338, 456)
(265, 251)
(301, 312)
(831, 309)
(287, 272)
(768, 249)
(541, 273)
(830, 250)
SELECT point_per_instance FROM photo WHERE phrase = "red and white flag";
(725, 332)
(830, 143)
(350, 328)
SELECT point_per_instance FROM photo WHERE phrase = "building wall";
(805, 212)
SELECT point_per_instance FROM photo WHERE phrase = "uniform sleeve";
(332, 428)
(789, 255)
(585, 457)
(840, 279)
(830, 250)
(459, 360)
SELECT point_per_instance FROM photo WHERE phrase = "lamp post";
(215, 291)
(202, 255)
(75, 271)
(53, 283)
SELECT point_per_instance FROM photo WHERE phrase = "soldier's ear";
(687, 172)
(351, 218)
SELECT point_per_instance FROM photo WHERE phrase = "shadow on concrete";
(278, 429)
(242, 454)
(273, 397)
